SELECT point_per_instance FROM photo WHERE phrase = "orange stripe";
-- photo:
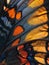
(18, 30)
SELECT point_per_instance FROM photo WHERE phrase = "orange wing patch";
(18, 30)
(18, 15)
(12, 13)
(15, 42)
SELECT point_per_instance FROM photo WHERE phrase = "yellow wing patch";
(40, 58)
(35, 3)
(38, 17)
(39, 46)
(37, 33)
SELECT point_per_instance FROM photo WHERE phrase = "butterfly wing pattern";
(24, 32)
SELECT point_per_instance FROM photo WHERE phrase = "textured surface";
(24, 32)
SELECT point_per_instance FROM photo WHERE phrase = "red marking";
(20, 47)
(28, 63)
(23, 61)
(23, 53)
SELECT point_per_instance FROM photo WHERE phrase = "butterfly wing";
(32, 26)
